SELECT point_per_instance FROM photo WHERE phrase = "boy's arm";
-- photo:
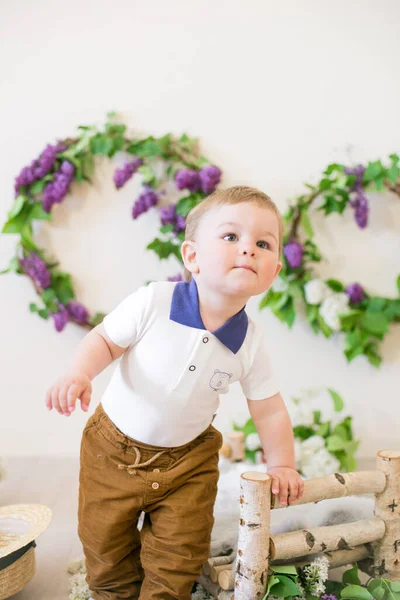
(95, 352)
(274, 427)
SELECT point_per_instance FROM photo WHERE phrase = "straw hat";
(20, 524)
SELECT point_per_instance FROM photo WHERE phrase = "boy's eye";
(231, 237)
(263, 244)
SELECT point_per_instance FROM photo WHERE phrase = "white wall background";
(275, 91)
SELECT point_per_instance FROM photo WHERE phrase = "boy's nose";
(247, 251)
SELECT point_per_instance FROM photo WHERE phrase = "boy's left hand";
(287, 483)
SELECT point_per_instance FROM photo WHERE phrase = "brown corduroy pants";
(175, 487)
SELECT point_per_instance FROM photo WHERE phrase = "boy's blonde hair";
(232, 195)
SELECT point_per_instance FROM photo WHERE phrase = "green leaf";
(335, 285)
(271, 582)
(286, 313)
(357, 592)
(288, 569)
(285, 587)
(37, 213)
(324, 429)
(374, 323)
(326, 330)
(306, 223)
(185, 205)
(377, 589)
(167, 228)
(17, 206)
(317, 417)
(303, 432)
(334, 443)
(43, 313)
(398, 284)
(373, 171)
(96, 319)
(37, 187)
(33, 307)
(147, 174)
(351, 576)
(325, 184)
(337, 400)
(62, 286)
(376, 304)
(165, 249)
(101, 144)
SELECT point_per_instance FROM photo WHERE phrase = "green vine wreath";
(330, 305)
(47, 181)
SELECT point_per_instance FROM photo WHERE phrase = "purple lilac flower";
(37, 270)
(294, 254)
(360, 201)
(355, 292)
(121, 176)
(56, 190)
(177, 277)
(146, 200)
(169, 216)
(328, 597)
(187, 178)
(60, 318)
(360, 204)
(77, 311)
(38, 167)
(210, 177)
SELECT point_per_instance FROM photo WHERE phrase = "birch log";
(321, 539)
(386, 559)
(338, 485)
(253, 540)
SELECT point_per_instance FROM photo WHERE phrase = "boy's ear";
(278, 268)
(189, 256)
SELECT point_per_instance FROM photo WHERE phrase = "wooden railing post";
(254, 539)
(386, 559)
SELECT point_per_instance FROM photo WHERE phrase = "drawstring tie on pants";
(132, 468)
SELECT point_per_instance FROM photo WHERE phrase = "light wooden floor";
(54, 482)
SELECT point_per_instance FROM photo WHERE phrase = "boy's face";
(237, 249)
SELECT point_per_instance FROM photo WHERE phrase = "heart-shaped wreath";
(331, 306)
(47, 181)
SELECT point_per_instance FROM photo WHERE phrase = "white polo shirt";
(165, 389)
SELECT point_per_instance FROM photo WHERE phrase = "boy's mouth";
(245, 267)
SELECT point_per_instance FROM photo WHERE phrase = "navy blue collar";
(185, 310)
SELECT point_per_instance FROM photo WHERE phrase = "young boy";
(150, 445)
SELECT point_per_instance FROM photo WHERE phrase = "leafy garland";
(330, 305)
(47, 181)
(321, 446)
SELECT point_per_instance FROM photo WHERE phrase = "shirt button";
(192, 368)
(155, 485)
(205, 340)
(156, 470)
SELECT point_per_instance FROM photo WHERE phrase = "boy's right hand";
(65, 392)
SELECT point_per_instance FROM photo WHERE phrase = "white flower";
(319, 464)
(279, 285)
(311, 445)
(316, 291)
(300, 414)
(253, 441)
(332, 307)
(78, 588)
